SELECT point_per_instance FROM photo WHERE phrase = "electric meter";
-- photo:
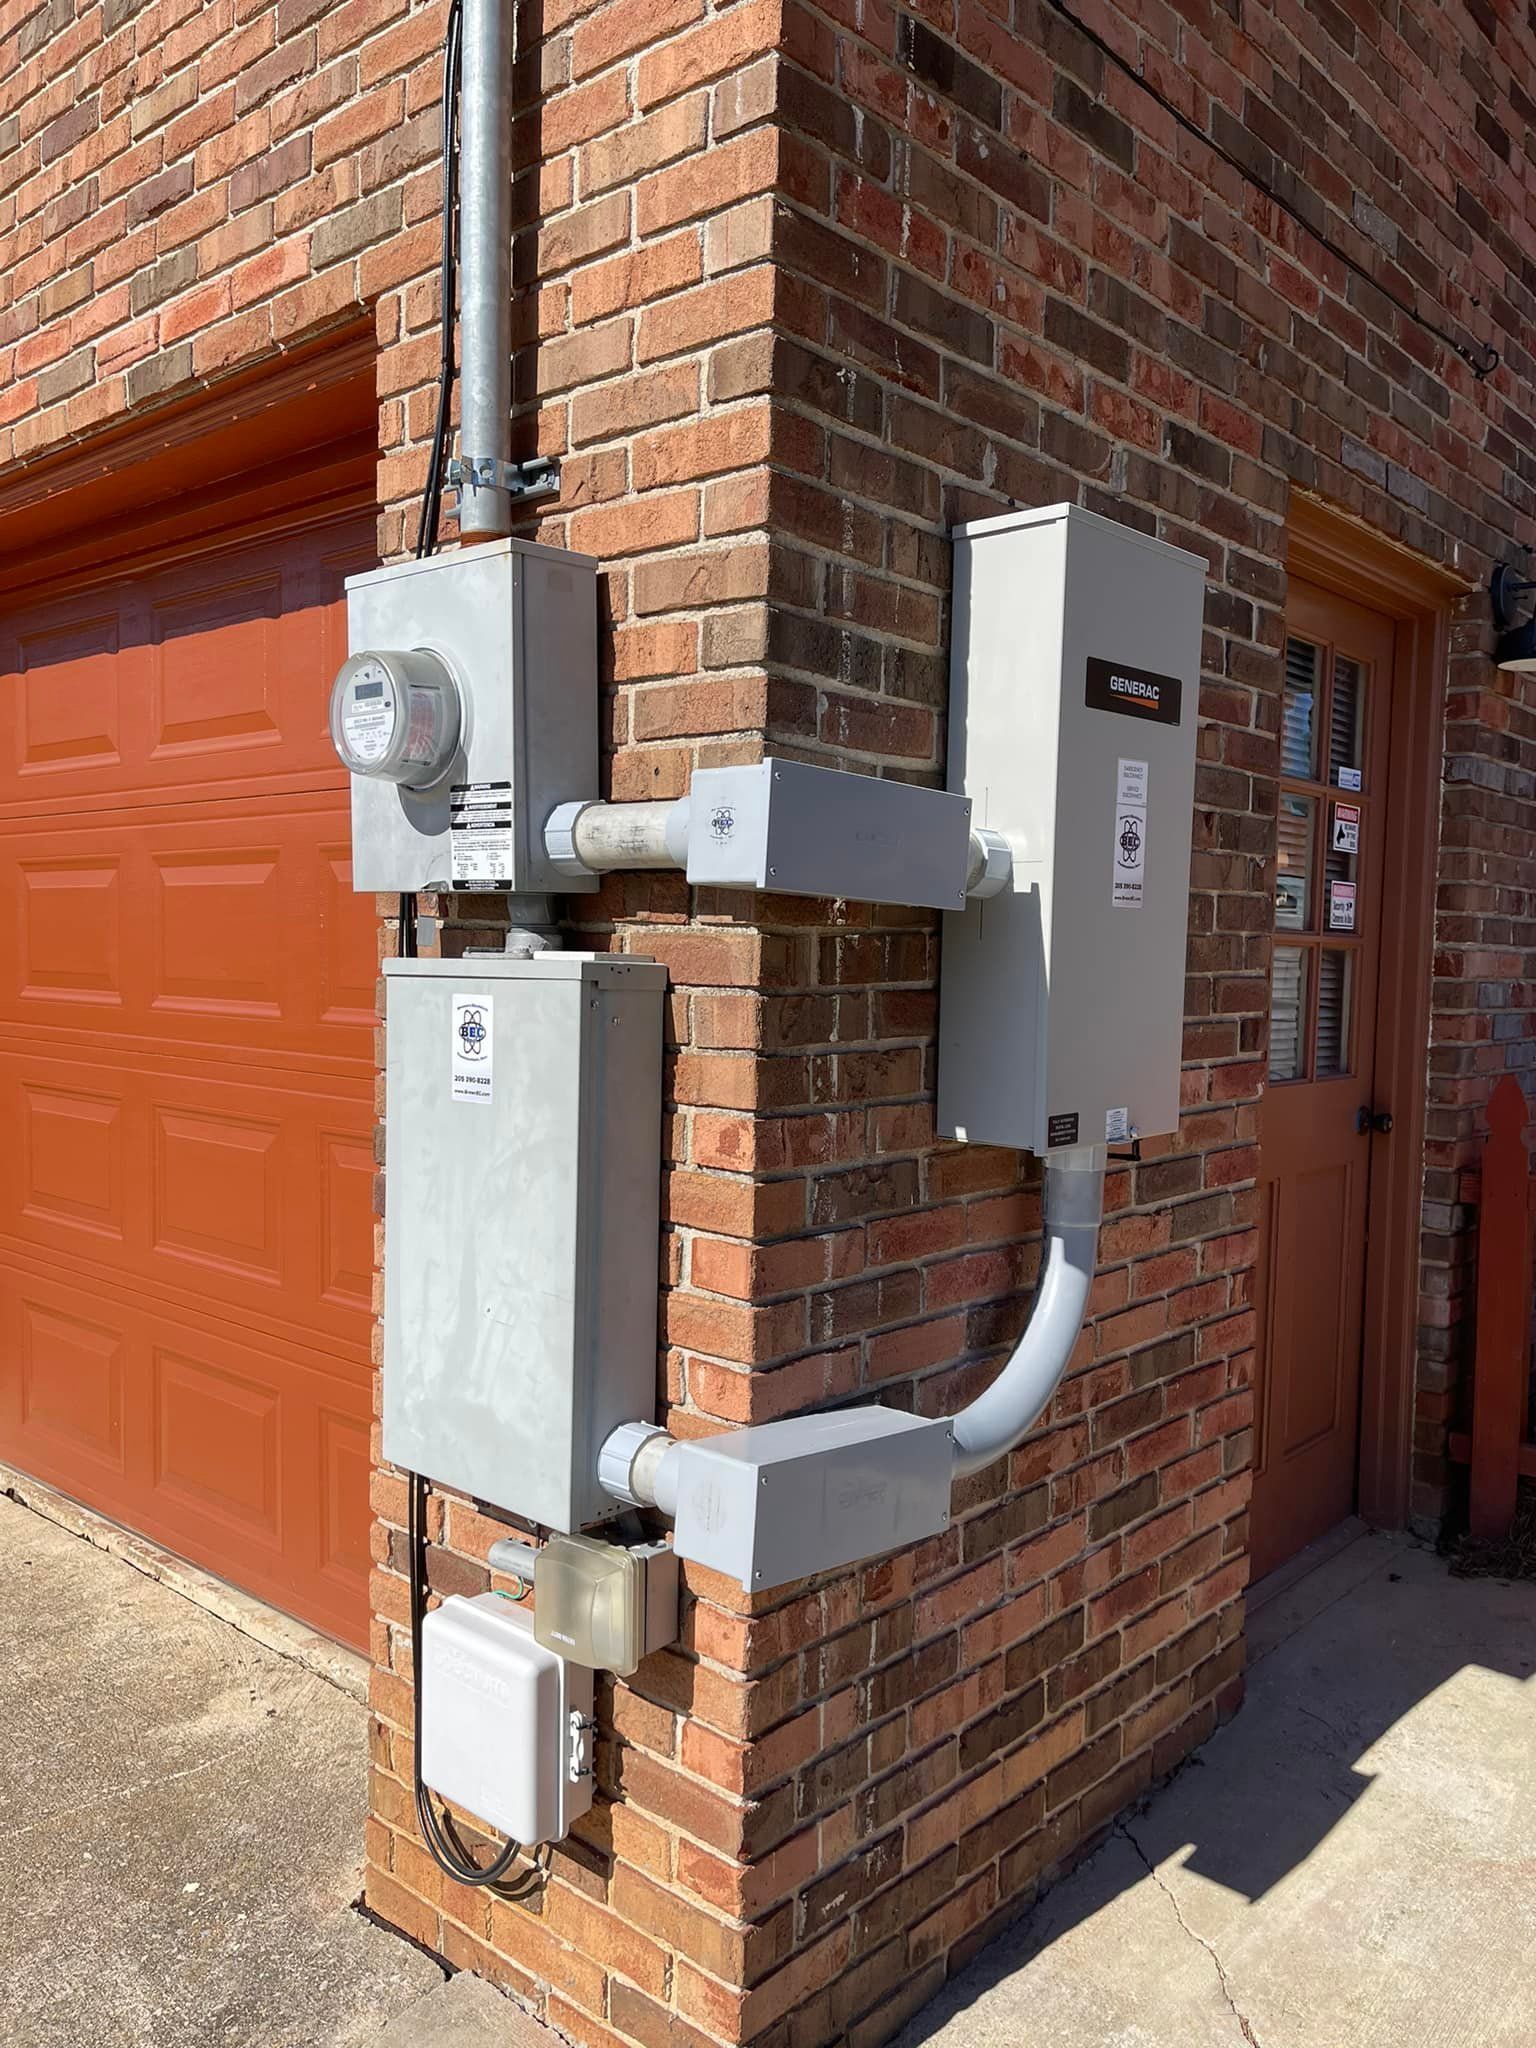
(396, 716)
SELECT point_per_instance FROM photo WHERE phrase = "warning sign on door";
(473, 1048)
(1346, 828)
(1130, 857)
(1341, 906)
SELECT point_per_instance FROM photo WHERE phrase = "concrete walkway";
(181, 1823)
(1350, 1864)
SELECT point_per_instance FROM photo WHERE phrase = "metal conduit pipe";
(639, 1462)
(485, 270)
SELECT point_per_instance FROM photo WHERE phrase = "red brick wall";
(797, 287)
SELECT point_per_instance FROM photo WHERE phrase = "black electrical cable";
(437, 1830)
(1467, 351)
(407, 911)
(432, 492)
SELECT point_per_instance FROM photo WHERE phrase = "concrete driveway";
(181, 1820)
(1351, 1863)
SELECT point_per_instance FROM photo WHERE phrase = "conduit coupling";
(640, 1462)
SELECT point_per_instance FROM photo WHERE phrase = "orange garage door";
(186, 1067)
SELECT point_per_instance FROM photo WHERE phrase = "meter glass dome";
(395, 716)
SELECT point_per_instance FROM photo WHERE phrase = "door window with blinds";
(1325, 819)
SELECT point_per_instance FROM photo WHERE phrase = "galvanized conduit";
(485, 270)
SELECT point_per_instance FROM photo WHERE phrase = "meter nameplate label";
(480, 837)
(1129, 871)
(1341, 906)
(1346, 828)
(474, 1043)
(368, 723)
(1133, 692)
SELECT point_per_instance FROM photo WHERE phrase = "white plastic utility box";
(523, 1134)
(506, 1724)
(1074, 686)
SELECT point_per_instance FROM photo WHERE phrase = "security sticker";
(1130, 851)
(1346, 828)
(1341, 906)
(1349, 778)
(473, 1048)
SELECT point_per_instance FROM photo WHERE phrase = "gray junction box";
(522, 1194)
(516, 624)
(1074, 687)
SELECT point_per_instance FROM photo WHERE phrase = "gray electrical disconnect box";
(1074, 686)
(515, 625)
(522, 1185)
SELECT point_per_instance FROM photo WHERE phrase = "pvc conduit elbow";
(1016, 1399)
(640, 1463)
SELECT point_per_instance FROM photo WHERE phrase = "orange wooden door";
(1330, 895)
(186, 1067)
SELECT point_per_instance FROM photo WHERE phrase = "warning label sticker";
(1341, 906)
(1346, 828)
(1117, 1126)
(473, 1048)
(1130, 856)
(480, 841)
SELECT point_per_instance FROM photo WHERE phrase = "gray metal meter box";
(1074, 687)
(516, 626)
(523, 1126)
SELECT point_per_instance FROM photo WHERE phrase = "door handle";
(1379, 1120)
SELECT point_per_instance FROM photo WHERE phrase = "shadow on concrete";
(1352, 1859)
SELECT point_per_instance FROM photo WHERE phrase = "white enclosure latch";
(580, 1765)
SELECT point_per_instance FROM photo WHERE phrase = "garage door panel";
(239, 1453)
(187, 1067)
(70, 913)
(216, 669)
(228, 927)
(193, 1182)
(217, 1438)
(70, 1159)
(68, 706)
(215, 675)
(73, 1381)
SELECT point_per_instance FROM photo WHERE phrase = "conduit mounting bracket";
(538, 477)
